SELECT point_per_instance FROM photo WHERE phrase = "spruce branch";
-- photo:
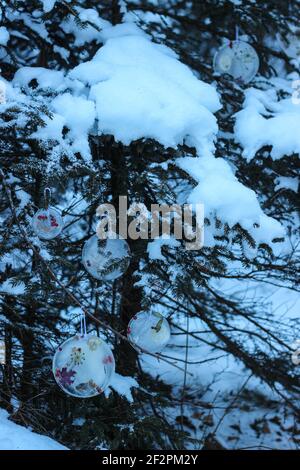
(67, 291)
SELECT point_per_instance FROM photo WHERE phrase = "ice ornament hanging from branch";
(149, 331)
(47, 222)
(83, 366)
(106, 260)
(238, 59)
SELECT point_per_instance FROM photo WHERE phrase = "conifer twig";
(74, 13)
(66, 290)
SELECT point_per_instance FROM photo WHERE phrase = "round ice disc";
(239, 59)
(47, 223)
(83, 366)
(106, 259)
(150, 331)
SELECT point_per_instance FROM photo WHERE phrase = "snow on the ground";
(211, 393)
(15, 437)
(215, 377)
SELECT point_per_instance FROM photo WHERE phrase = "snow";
(23, 197)
(64, 53)
(154, 247)
(89, 33)
(7, 287)
(136, 89)
(15, 437)
(121, 30)
(284, 182)
(34, 24)
(79, 116)
(2, 92)
(265, 121)
(4, 36)
(15, 259)
(214, 377)
(228, 199)
(74, 113)
(53, 79)
(48, 5)
(122, 385)
(142, 90)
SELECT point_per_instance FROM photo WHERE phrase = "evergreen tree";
(78, 120)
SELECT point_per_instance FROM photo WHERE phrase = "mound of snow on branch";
(264, 121)
(141, 90)
(228, 199)
(4, 36)
(135, 89)
(123, 385)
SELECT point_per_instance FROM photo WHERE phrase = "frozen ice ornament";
(48, 222)
(149, 331)
(83, 366)
(238, 59)
(106, 259)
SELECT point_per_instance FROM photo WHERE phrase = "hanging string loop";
(83, 330)
(47, 197)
